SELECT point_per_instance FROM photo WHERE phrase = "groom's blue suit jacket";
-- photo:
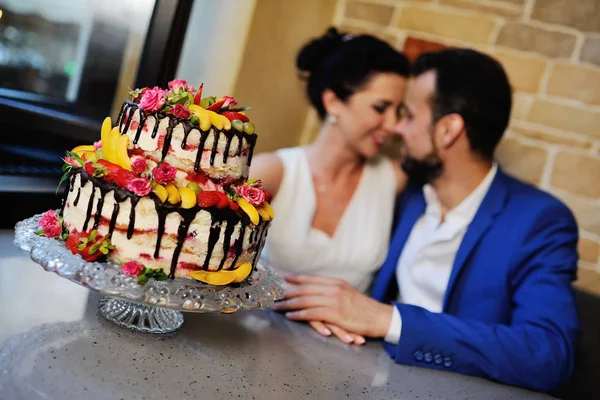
(509, 311)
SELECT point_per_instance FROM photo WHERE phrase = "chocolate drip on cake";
(76, 201)
(187, 128)
(88, 213)
(169, 135)
(120, 117)
(99, 207)
(113, 218)
(227, 146)
(155, 128)
(226, 243)
(213, 237)
(129, 119)
(138, 132)
(251, 139)
(182, 231)
(238, 245)
(213, 152)
(261, 242)
(203, 137)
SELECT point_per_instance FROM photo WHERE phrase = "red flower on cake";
(97, 144)
(177, 84)
(133, 268)
(50, 224)
(179, 111)
(164, 173)
(140, 186)
(229, 102)
(254, 195)
(153, 99)
(139, 165)
(72, 161)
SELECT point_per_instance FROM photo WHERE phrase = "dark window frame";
(54, 118)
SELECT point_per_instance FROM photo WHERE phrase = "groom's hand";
(335, 302)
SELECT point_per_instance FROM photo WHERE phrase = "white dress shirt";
(426, 261)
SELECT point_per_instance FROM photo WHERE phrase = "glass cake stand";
(156, 306)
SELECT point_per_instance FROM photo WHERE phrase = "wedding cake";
(165, 192)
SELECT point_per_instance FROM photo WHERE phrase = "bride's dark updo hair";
(344, 64)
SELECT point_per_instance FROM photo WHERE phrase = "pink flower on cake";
(133, 268)
(177, 84)
(140, 186)
(153, 99)
(229, 102)
(72, 161)
(98, 144)
(164, 173)
(179, 111)
(50, 224)
(139, 165)
(254, 195)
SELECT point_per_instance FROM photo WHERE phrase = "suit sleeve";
(536, 350)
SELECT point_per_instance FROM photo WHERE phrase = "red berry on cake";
(217, 106)
(223, 200)
(233, 115)
(90, 246)
(209, 198)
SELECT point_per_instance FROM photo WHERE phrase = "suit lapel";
(492, 205)
(386, 287)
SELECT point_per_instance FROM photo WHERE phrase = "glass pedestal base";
(140, 317)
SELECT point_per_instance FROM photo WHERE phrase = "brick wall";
(551, 51)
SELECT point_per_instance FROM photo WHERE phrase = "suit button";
(447, 362)
(428, 357)
(418, 356)
(438, 359)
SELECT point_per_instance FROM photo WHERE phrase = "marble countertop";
(54, 345)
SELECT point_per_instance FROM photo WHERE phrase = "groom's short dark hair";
(475, 86)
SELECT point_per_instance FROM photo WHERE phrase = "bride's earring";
(332, 119)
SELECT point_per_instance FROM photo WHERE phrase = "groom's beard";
(422, 171)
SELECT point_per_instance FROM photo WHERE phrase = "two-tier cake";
(165, 192)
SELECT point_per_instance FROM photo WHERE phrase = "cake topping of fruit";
(90, 246)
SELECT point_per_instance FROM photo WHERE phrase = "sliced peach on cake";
(249, 209)
(173, 194)
(203, 116)
(161, 192)
(218, 278)
(188, 197)
(242, 272)
(120, 152)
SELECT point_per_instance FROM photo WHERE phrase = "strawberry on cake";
(165, 192)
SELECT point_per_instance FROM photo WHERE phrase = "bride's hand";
(328, 329)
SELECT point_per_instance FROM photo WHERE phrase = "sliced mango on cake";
(218, 278)
(109, 150)
(89, 156)
(203, 117)
(267, 207)
(105, 131)
(249, 209)
(242, 272)
(226, 122)
(216, 121)
(263, 214)
(161, 192)
(120, 154)
(173, 194)
(188, 197)
(80, 150)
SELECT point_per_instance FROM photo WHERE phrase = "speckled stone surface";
(54, 345)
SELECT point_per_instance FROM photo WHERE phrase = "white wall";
(214, 44)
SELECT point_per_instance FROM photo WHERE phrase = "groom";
(478, 275)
